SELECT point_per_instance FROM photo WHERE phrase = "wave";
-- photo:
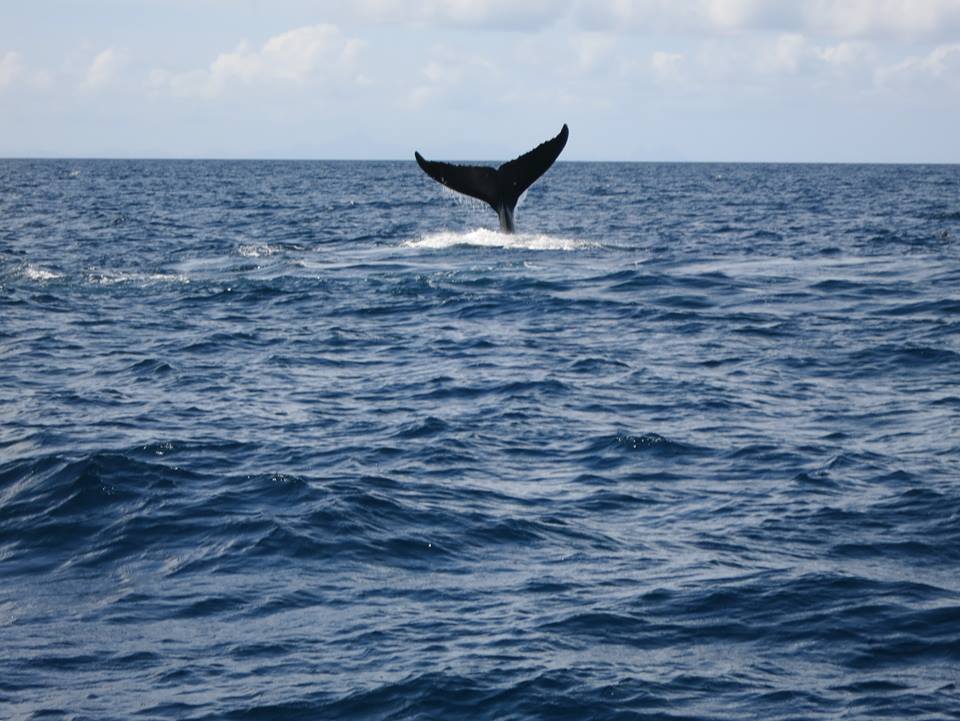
(38, 274)
(256, 250)
(106, 278)
(32, 272)
(485, 238)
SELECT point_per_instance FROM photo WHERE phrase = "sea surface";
(311, 440)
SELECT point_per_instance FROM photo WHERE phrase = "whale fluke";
(501, 187)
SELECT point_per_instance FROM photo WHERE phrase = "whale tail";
(501, 187)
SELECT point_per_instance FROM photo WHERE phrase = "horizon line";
(281, 159)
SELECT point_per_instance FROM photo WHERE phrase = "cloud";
(14, 72)
(298, 57)
(593, 49)
(760, 66)
(450, 71)
(11, 68)
(694, 16)
(840, 19)
(794, 54)
(103, 69)
(851, 18)
(938, 69)
(827, 18)
(488, 14)
(667, 68)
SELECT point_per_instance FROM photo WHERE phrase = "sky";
(636, 80)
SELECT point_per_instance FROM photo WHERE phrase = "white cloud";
(737, 14)
(694, 16)
(593, 49)
(792, 54)
(832, 18)
(847, 18)
(788, 52)
(14, 72)
(762, 65)
(491, 14)
(102, 69)
(443, 73)
(668, 68)
(11, 68)
(450, 71)
(844, 54)
(938, 69)
(829, 18)
(297, 57)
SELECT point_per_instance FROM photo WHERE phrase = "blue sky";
(726, 80)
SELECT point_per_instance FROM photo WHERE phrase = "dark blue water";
(306, 441)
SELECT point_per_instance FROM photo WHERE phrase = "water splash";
(32, 272)
(485, 238)
(261, 250)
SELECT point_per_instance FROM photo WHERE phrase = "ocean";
(312, 440)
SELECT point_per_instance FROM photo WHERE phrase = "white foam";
(113, 278)
(482, 237)
(32, 272)
(256, 251)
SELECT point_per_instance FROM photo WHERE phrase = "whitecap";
(32, 272)
(483, 237)
(143, 279)
(256, 251)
